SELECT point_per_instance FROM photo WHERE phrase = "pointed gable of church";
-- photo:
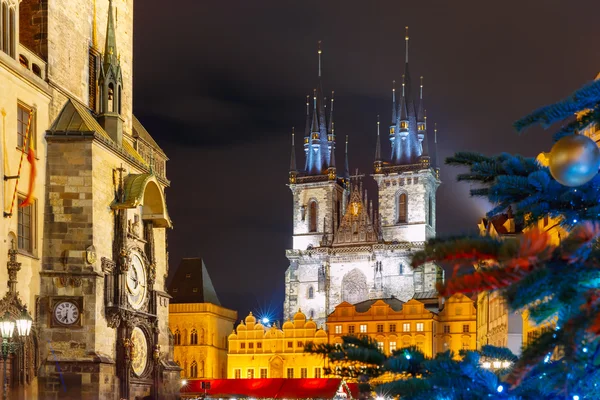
(356, 226)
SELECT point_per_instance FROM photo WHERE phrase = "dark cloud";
(220, 84)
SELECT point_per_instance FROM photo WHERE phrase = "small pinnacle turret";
(346, 164)
(293, 170)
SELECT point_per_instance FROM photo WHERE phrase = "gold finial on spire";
(435, 132)
(94, 28)
(406, 41)
(421, 87)
(293, 134)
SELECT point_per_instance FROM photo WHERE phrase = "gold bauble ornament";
(574, 160)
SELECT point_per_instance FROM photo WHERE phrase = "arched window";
(119, 101)
(177, 337)
(311, 314)
(11, 32)
(36, 70)
(111, 97)
(312, 221)
(194, 337)
(4, 27)
(23, 61)
(311, 292)
(400, 269)
(194, 370)
(402, 208)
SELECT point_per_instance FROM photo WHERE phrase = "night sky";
(220, 84)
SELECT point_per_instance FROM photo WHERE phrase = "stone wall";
(69, 39)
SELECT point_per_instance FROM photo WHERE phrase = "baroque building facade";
(395, 324)
(260, 351)
(93, 238)
(200, 325)
(345, 248)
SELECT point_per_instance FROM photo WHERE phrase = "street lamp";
(7, 329)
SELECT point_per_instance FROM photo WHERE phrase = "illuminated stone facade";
(258, 351)
(200, 325)
(98, 224)
(345, 247)
(395, 324)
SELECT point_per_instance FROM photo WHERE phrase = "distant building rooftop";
(192, 284)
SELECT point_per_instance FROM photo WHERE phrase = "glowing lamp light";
(575, 397)
(380, 398)
(547, 358)
(500, 388)
(7, 327)
(183, 382)
(24, 324)
(487, 364)
(265, 320)
(506, 364)
(585, 350)
(407, 356)
(497, 364)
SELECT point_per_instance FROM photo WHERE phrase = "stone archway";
(276, 368)
(354, 287)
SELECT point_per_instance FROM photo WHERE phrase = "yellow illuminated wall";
(200, 336)
(258, 351)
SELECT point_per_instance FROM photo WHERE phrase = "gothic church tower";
(345, 250)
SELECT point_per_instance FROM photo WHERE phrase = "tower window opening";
(111, 97)
(402, 208)
(430, 211)
(312, 225)
(311, 292)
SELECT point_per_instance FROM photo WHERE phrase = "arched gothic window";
(194, 337)
(194, 370)
(177, 337)
(312, 221)
(402, 208)
(311, 292)
(7, 27)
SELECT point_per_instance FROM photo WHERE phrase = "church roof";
(393, 302)
(192, 284)
(74, 118)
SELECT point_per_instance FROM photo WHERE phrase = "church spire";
(319, 53)
(110, 49)
(346, 165)
(421, 112)
(378, 162)
(394, 114)
(330, 128)
(110, 83)
(293, 170)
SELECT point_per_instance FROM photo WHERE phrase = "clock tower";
(103, 310)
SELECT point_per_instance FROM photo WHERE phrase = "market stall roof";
(274, 388)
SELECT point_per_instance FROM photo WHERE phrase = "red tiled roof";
(274, 388)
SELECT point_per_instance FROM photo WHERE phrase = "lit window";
(466, 328)
(290, 345)
(250, 345)
(303, 372)
(406, 327)
(351, 329)
(317, 372)
(379, 328)
(446, 328)
(380, 346)
(250, 373)
(263, 373)
(242, 345)
(24, 136)
(338, 329)
(419, 327)
(363, 328)
(290, 373)
(392, 347)
(300, 344)
(237, 373)
(392, 327)
(25, 227)
(259, 345)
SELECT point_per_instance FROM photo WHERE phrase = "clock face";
(140, 351)
(66, 313)
(136, 282)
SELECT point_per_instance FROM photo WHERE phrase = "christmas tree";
(557, 283)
